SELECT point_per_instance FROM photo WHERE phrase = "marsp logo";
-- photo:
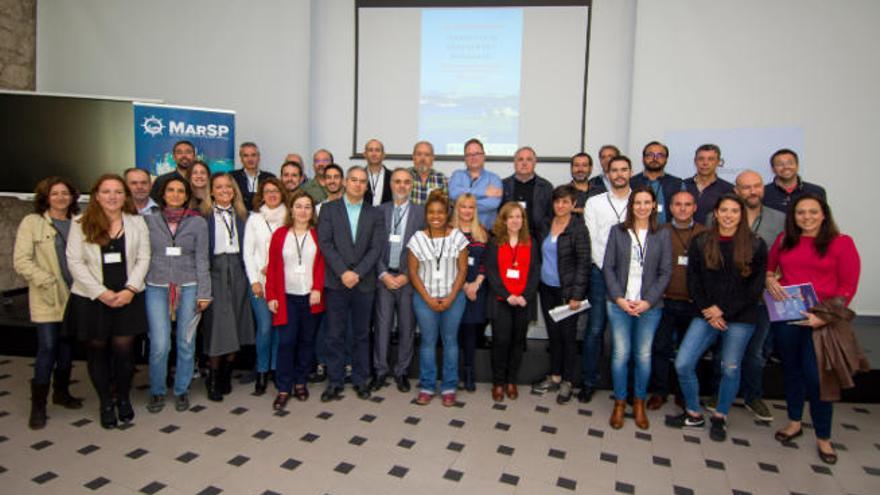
(153, 126)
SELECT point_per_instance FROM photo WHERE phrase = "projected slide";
(470, 78)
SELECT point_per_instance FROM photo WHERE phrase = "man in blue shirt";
(787, 185)
(654, 157)
(475, 179)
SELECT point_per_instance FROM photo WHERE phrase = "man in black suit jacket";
(249, 176)
(378, 175)
(530, 190)
(350, 235)
(394, 295)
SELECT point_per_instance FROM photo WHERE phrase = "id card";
(659, 208)
(173, 251)
(512, 274)
(683, 260)
(111, 258)
(470, 261)
(523, 204)
(299, 269)
(397, 238)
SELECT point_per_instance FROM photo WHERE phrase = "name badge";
(299, 268)
(523, 204)
(110, 258)
(683, 260)
(173, 251)
(470, 261)
(513, 274)
(659, 208)
(397, 238)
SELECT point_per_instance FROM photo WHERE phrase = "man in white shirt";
(601, 213)
(378, 176)
(138, 182)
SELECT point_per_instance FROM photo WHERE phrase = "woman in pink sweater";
(810, 250)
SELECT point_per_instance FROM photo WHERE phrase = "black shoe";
(125, 411)
(61, 391)
(39, 393)
(108, 416)
(585, 395)
(829, 458)
(156, 404)
(332, 392)
(718, 428)
(261, 383)
(378, 383)
(362, 391)
(402, 383)
(181, 402)
(319, 375)
(685, 420)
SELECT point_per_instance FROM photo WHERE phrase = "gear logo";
(153, 126)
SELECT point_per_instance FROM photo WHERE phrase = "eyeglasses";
(474, 155)
(655, 155)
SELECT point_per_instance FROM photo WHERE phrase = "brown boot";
(497, 393)
(656, 402)
(639, 414)
(616, 420)
(512, 392)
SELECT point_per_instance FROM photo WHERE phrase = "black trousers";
(562, 335)
(508, 339)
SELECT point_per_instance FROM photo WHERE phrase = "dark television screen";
(78, 138)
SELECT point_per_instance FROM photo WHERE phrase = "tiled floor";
(389, 445)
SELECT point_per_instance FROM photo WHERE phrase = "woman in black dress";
(108, 254)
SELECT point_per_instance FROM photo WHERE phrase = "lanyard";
(300, 246)
(230, 225)
(641, 248)
(252, 183)
(608, 197)
(400, 218)
(375, 183)
(438, 254)
(172, 234)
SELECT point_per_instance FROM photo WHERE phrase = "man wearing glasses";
(475, 179)
(654, 157)
(315, 188)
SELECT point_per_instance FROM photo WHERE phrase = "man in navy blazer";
(394, 294)
(350, 235)
(249, 176)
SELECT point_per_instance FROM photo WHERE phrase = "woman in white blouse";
(271, 214)
(437, 269)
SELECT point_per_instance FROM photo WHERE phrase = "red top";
(835, 274)
(275, 289)
(506, 256)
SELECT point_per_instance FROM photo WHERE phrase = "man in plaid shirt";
(425, 178)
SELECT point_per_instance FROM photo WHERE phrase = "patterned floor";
(389, 445)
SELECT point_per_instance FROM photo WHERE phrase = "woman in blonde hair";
(513, 265)
(473, 321)
(108, 254)
(229, 322)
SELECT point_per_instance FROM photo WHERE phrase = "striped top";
(438, 260)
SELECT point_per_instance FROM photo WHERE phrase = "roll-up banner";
(158, 127)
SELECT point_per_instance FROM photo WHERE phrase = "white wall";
(251, 58)
(756, 64)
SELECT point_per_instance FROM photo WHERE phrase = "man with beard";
(581, 168)
(332, 185)
(315, 187)
(787, 185)
(184, 154)
(291, 175)
(425, 178)
(654, 157)
(394, 293)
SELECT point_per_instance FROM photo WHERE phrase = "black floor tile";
(398, 471)
(210, 490)
(661, 461)
(453, 475)
(455, 446)
(542, 409)
(215, 432)
(309, 437)
(640, 435)
(566, 483)
(406, 443)
(456, 423)
(344, 467)
(186, 457)
(713, 464)
(595, 433)
(325, 415)
(238, 411)
(821, 469)
(607, 457)
(682, 490)
(88, 449)
(169, 429)
(97, 483)
(197, 408)
(357, 440)
(621, 487)
(282, 413)
(238, 460)
(871, 470)
(153, 487)
(368, 418)
(42, 444)
(556, 454)
(505, 450)
(262, 434)
(291, 464)
(43, 478)
(81, 422)
(585, 412)
(741, 442)
(740, 492)
(412, 420)
(548, 429)
(502, 426)
(499, 407)
(509, 479)
(770, 468)
(691, 439)
(137, 453)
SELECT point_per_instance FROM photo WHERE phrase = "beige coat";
(85, 264)
(36, 260)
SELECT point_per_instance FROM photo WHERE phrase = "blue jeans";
(699, 337)
(52, 353)
(752, 386)
(159, 322)
(801, 376)
(348, 308)
(266, 340)
(595, 329)
(296, 349)
(445, 324)
(632, 336)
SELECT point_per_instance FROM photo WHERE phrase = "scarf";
(173, 216)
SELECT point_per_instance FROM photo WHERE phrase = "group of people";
(323, 275)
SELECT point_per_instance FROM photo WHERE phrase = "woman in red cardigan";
(294, 294)
(810, 250)
(513, 266)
